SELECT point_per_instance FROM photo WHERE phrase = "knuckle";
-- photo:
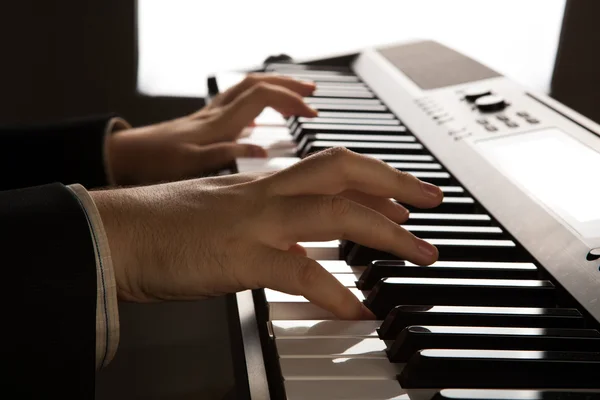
(308, 274)
(251, 79)
(261, 88)
(338, 153)
(337, 206)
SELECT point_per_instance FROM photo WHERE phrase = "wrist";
(114, 207)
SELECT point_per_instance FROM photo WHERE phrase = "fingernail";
(257, 152)
(315, 112)
(425, 248)
(405, 213)
(430, 190)
(366, 313)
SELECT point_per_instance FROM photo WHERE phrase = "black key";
(341, 86)
(437, 178)
(357, 115)
(420, 337)
(499, 369)
(339, 100)
(345, 118)
(445, 269)
(402, 316)
(307, 129)
(347, 121)
(450, 204)
(346, 94)
(349, 107)
(449, 249)
(316, 77)
(276, 67)
(354, 137)
(508, 394)
(391, 292)
(477, 250)
(420, 218)
(364, 147)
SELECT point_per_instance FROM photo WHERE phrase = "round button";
(472, 94)
(491, 103)
(594, 254)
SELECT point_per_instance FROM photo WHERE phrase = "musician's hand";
(204, 141)
(206, 237)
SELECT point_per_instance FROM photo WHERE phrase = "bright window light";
(181, 42)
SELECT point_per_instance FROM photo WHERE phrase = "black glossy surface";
(383, 269)
(483, 394)
(391, 292)
(402, 316)
(419, 337)
(500, 369)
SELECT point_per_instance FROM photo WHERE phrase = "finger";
(336, 170)
(253, 101)
(221, 154)
(294, 274)
(302, 88)
(387, 207)
(298, 249)
(324, 218)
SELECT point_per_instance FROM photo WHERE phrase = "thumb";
(218, 155)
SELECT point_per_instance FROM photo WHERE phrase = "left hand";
(204, 141)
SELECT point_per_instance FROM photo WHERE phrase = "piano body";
(510, 311)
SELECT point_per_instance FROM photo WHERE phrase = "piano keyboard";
(486, 321)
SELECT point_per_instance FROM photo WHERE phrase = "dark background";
(72, 57)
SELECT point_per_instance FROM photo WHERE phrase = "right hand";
(207, 237)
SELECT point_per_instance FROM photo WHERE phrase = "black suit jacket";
(48, 264)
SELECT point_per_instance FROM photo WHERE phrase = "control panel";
(476, 110)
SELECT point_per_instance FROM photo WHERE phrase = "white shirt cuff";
(107, 310)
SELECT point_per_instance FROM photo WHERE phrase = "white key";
(276, 140)
(281, 152)
(322, 250)
(340, 267)
(270, 117)
(324, 329)
(409, 165)
(287, 306)
(335, 348)
(265, 164)
(342, 368)
(345, 390)
(265, 135)
(481, 264)
(348, 280)
(451, 189)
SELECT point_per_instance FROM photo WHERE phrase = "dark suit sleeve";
(48, 302)
(69, 152)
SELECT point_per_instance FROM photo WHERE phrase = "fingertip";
(254, 151)
(432, 192)
(403, 213)
(310, 86)
(366, 313)
(310, 112)
(428, 253)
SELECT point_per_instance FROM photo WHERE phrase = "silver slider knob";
(491, 103)
(472, 94)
